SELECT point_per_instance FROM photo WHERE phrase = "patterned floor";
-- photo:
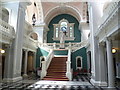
(80, 82)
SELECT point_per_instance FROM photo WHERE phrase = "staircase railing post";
(68, 73)
(44, 72)
(54, 45)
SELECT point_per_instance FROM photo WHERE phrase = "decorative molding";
(109, 22)
(7, 32)
(73, 46)
(29, 43)
(12, 79)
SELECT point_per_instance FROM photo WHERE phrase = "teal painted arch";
(71, 19)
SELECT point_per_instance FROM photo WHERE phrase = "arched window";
(34, 36)
(78, 62)
(66, 27)
(5, 15)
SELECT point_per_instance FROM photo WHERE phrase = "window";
(4, 15)
(66, 27)
(78, 62)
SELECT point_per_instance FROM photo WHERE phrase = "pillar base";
(25, 75)
(69, 76)
(98, 83)
(12, 79)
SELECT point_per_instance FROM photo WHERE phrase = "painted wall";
(40, 52)
(59, 52)
(81, 52)
(56, 20)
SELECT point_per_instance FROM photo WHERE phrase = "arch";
(33, 33)
(54, 12)
(34, 36)
(78, 62)
(5, 15)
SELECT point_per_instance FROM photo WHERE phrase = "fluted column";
(111, 76)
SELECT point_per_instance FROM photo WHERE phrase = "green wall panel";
(58, 52)
(56, 20)
(81, 52)
(40, 52)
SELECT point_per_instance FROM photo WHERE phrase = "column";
(0, 66)
(111, 76)
(14, 59)
(102, 65)
(34, 60)
(25, 63)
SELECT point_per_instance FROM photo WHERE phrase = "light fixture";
(113, 50)
(2, 51)
(33, 19)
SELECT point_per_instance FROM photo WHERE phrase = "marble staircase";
(57, 70)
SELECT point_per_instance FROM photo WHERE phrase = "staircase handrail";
(46, 63)
(49, 58)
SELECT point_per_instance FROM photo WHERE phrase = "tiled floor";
(80, 82)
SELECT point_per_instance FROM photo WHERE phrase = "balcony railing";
(6, 32)
(72, 46)
(28, 28)
(108, 13)
(29, 43)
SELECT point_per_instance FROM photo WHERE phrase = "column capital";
(26, 50)
(108, 39)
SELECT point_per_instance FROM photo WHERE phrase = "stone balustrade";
(108, 13)
(72, 46)
(7, 32)
(29, 43)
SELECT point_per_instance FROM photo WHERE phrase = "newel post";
(44, 72)
(68, 73)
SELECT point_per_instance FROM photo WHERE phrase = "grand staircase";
(57, 70)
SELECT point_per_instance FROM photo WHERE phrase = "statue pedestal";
(62, 40)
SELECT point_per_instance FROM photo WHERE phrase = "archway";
(68, 10)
